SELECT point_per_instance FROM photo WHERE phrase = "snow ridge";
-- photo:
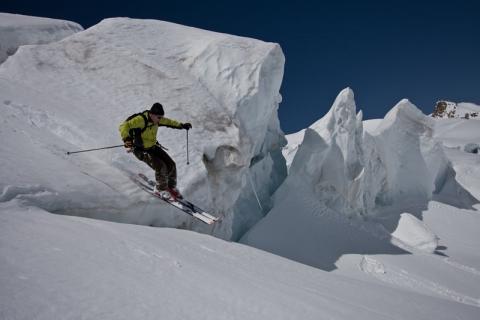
(17, 30)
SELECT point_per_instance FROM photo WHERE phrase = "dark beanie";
(157, 109)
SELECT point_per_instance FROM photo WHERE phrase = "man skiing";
(139, 134)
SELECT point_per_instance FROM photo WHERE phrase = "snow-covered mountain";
(448, 110)
(389, 206)
(17, 30)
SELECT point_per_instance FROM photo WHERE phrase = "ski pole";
(188, 161)
(88, 150)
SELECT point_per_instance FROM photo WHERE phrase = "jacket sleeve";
(170, 123)
(126, 126)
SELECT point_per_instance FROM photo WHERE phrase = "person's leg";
(171, 168)
(154, 160)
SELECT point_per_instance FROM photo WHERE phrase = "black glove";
(186, 126)
(128, 143)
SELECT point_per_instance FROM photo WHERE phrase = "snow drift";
(226, 86)
(17, 30)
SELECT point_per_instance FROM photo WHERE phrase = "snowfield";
(346, 219)
(70, 268)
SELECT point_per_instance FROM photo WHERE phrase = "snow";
(415, 233)
(449, 110)
(17, 30)
(293, 142)
(73, 267)
(93, 80)
(373, 203)
(373, 219)
(354, 172)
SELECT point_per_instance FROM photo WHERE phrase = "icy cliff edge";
(77, 92)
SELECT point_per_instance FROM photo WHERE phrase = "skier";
(139, 134)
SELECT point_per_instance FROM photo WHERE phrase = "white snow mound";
(415, 234)
(72, 267)
(17, 30)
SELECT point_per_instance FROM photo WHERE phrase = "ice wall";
(340, 172)
(77, 91)
(357, 171)
(414, 162)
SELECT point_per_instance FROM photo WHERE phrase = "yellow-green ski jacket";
(148, 130)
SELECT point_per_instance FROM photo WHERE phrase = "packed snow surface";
(70, 268)
(388, 206)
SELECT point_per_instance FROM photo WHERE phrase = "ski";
(187, 203)
(181, 204)
(176, 204)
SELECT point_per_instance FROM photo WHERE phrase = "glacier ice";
(341, 176)
(78, 90)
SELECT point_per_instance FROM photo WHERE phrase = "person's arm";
(166, 122)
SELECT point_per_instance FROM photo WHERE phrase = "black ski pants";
(164, 166)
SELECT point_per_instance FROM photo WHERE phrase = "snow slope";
(17, 30)
(72, 267)
(76, 92)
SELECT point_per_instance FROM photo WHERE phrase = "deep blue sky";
(383, 50)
